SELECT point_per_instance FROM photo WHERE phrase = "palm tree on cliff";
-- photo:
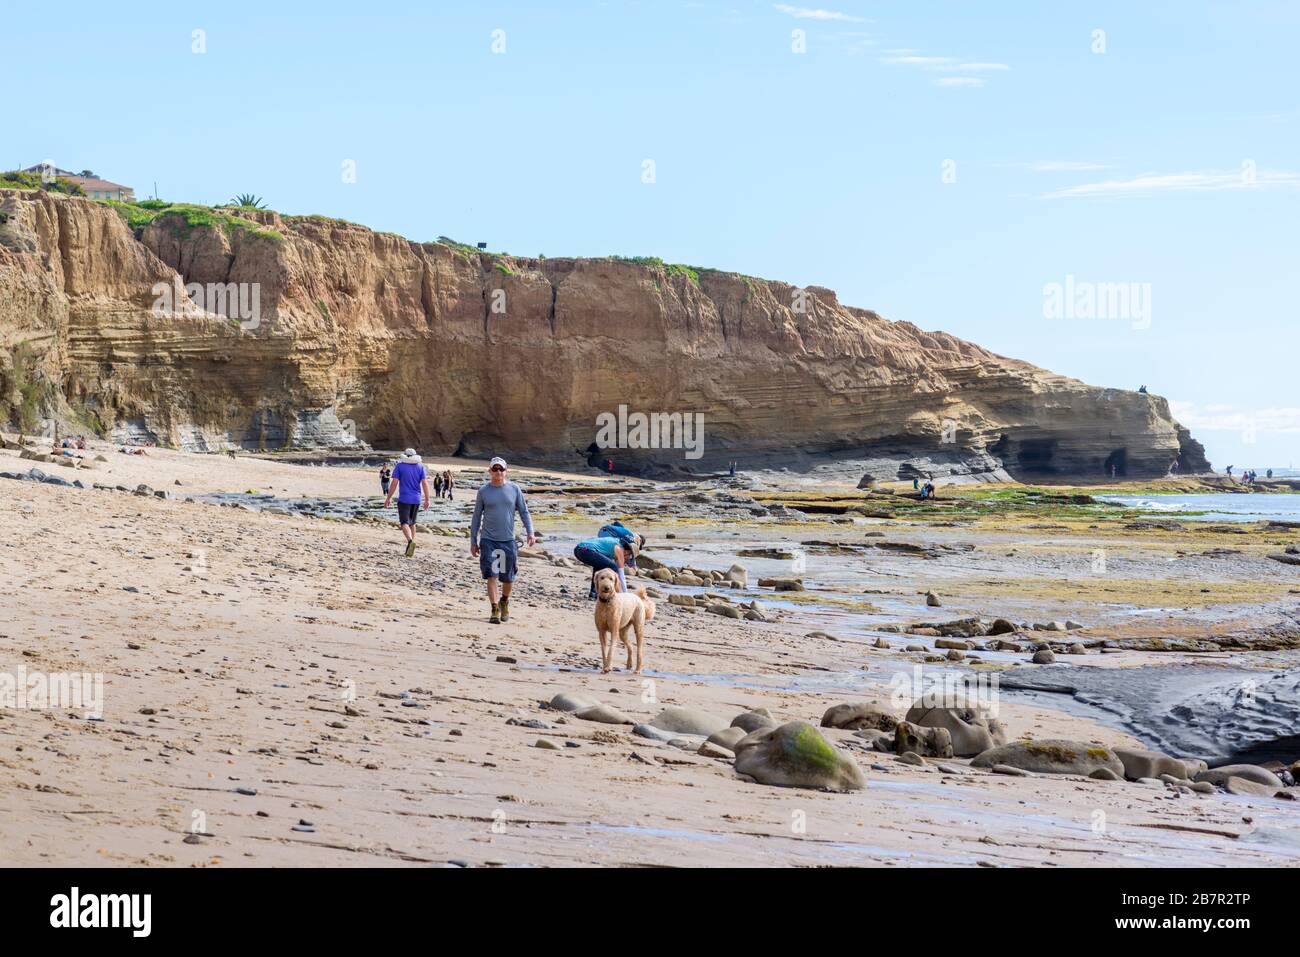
(248, 201)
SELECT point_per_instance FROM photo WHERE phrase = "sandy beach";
(281, 689)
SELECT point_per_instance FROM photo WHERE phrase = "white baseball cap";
(497, 460)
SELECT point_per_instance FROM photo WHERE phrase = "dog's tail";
(645, 600)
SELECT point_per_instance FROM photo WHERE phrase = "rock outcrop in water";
(368, 336)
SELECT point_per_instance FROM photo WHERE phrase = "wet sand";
(306, 661)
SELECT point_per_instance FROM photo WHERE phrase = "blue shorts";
(498, 560)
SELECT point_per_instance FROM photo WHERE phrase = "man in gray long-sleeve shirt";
(494, 515)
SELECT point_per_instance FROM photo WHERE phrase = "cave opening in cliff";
(1036, 455)
(1116, 463)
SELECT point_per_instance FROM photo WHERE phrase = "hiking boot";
(496, 615)
(505, 610)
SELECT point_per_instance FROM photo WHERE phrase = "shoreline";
(237, 676)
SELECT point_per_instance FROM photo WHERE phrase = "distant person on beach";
(1268, 474)
(385, 476)
(605, 552)
(448, 483)
(437, 485)
(916, 484)
(1230, 468)
(411, 483)
(495, 507)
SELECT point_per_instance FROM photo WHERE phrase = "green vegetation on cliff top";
(146, 211)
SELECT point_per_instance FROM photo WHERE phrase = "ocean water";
(1214, 507)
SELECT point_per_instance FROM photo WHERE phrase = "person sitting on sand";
(605, 552)
(411, 482)
(495, 507)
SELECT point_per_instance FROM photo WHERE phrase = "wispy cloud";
(807, 13)
(1204, 181)
(954, 72)
(1228, 418)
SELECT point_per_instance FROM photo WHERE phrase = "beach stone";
(710, 750)
(1105, 774)
(727, 737)
(1008, 770)
(752, 721)
(605, 714)
(1250, 772)
(726, 611)
(1051, 756)
(1044, 657)
(546, 744)
(1001, 626)
(687, 721)
(782, 584)
(882, 643)
(677, 599)
(915, 648)
(876, 738)
(739, 575)
(859, 714)
(796, 755)
(570, 703)
(1149, 764)
(655, 734)
(932, 600)
(911, 757)
(934, 742)
(955, 655)
(1244, 786)
(1202, 787)
(970, 729)
(952, 643)
(1194, 766)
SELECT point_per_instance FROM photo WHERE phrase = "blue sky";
(1171, 160)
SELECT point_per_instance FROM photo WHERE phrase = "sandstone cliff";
(393, 342)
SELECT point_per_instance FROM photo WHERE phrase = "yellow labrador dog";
(617, 613)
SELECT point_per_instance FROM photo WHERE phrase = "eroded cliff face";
(368, 335)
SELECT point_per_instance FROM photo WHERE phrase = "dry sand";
(270, 653)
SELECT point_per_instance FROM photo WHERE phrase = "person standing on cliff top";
(495, 507)
(409, 481)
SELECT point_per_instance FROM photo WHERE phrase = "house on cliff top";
(94, 187)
